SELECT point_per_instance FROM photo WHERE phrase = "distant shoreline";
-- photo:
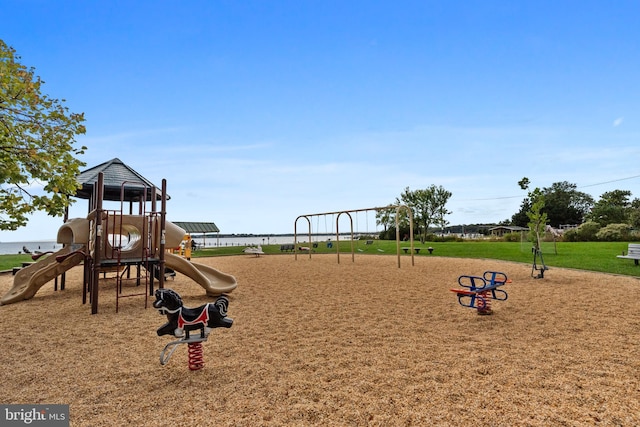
(211, 235)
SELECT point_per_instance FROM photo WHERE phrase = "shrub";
(443, 238)
(511, 237)
(614, 233)
(584, 233)
(570, 235)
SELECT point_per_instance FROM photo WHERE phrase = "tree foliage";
(537, 218)
(385, 218)
(428, 207)
(614, 233)
(586, 232)
(613, 207)
(563, 204)
(38, 167)
(634, 214)
(520, 218)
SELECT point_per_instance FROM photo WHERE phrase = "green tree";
(634, 214)
(613, 207)
(428, 207)
(37, 135)
(386, 219)
(520, 218)
(563, 204)
(537, 218)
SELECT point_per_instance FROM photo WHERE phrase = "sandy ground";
(357, 343)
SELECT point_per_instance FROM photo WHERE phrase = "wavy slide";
(213, 281)
(29, 280)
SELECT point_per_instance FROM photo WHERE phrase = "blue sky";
(259, 111)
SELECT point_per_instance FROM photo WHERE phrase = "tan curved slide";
(213, 281)
(29, 280)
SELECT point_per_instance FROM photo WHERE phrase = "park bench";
(633, 252)
(369, 242)
(406, 250)
(24, 265)
(287, 248)
(255, 250)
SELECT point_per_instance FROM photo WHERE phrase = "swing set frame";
(348, 213)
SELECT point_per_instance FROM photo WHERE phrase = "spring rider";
(478, 291)
(182, 321)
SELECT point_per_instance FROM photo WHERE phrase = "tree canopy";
(537, 218)
(428, 206)
(612, 208)
(563, 204)
(38, 167)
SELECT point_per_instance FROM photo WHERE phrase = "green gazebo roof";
(198, 227)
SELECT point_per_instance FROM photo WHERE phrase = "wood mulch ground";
(358, 343)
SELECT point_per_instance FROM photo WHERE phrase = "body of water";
(7, 248)
(209, 242)
(214, 242)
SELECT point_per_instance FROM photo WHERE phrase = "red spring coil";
(484, 303)
(196, 356)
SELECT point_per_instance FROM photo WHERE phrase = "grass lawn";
(7, 262)
(593, 256)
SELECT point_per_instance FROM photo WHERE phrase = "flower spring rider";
(182, 321)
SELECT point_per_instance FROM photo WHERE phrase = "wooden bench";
(369, 242)
(633, 252)
(287, 248)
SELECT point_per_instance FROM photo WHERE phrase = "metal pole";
(353, 256)
(295, 236)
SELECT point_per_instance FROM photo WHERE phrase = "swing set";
(348, 213)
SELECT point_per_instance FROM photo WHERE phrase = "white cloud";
(617, 122)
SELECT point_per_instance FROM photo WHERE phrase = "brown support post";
(163, 232)
(97, 246)
(64, 275)
(153, 229)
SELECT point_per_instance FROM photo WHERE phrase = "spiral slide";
(29, 280)
(213, 281)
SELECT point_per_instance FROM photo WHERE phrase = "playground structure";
(349, 213)
(110, 241)
(183, 320)
(185, 248)
(478, 291)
